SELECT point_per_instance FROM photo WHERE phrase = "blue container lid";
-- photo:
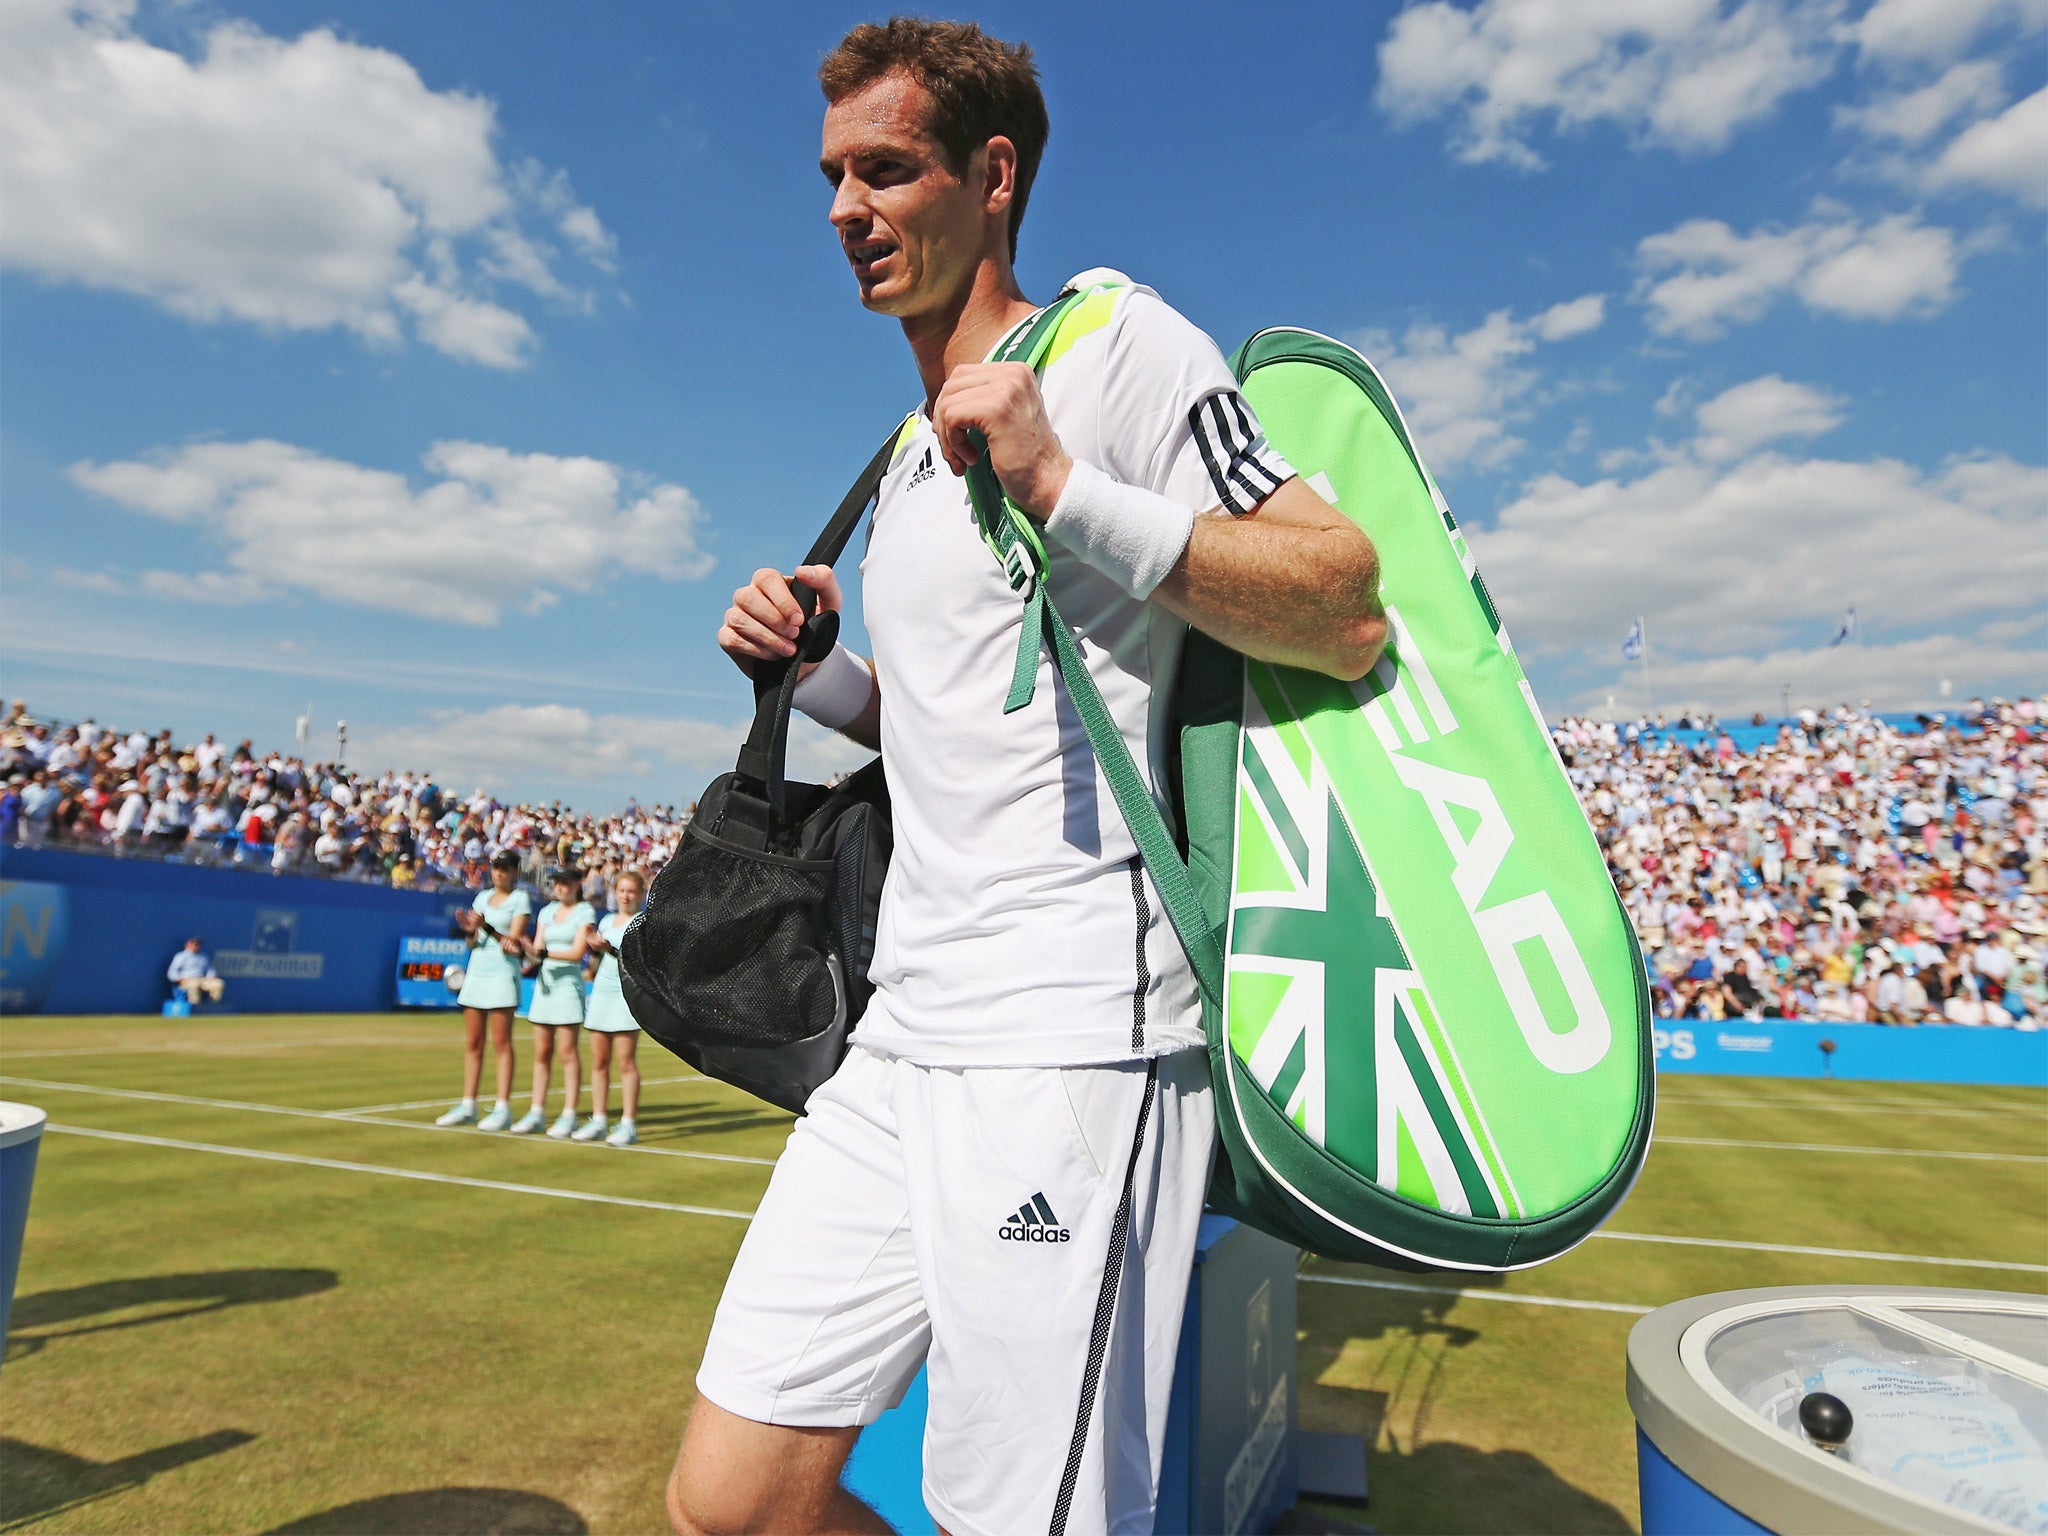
(19, 1123)
(1948, 1391)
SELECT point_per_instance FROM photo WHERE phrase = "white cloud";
(299, 185)
(1761, 411)
(1680, 73)
(494, 528)
(1703, 277)
(1736, 557)
(1914, 116)
(1909, 32)
(1460, 393)
(666, 759)
(2007, 153)
(1903, 675)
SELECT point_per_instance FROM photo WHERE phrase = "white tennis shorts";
(1028, 1232)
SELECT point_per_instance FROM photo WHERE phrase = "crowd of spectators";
(1842, 868)
(84, 785)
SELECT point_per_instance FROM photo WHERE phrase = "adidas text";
(1033, 1222)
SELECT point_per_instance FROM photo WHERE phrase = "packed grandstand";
(1839, 867)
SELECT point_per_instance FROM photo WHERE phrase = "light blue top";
(612, 929)
(559, 926)
(487, 955)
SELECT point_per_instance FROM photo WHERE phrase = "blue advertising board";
(86, 933)
(1875, 1053)
(430, 971)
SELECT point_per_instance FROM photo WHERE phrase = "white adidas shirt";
(1017, 925)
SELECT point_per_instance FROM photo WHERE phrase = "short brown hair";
(981, 88)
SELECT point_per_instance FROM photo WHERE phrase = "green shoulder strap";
(1014, 539)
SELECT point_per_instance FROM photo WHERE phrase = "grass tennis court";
(261, 1293)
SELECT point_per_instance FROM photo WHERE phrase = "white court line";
(1825, 1146)
(397, 1173)
(1861, 1109)
(381, 1109)
(1463, 1295)
(344, 1117)
(1822, 1253)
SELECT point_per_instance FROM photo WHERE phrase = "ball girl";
(495, 925)
(556, 1011)
(613, 1030)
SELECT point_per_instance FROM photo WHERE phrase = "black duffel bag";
(750, 960)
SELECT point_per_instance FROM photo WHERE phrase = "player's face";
(911, 227)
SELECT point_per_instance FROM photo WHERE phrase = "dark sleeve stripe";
(1253, 492)
(1254, 440)
(1223, 491)
(1232, 447)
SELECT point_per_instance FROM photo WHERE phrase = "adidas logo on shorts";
(924, 471)
(1033, 1222)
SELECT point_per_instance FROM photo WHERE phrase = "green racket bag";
(1427, 1015)
(1431, 1047)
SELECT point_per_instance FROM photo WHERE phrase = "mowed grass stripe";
(346, 1117)
(1459, 1293)
(1828, 1146)
(419, 1174)
(1861, 1107)
(1820, 1253)
(1807, 1094)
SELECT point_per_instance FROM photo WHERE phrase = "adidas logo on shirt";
(924, 471)
(1034, 1222)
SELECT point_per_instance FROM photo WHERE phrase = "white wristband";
(1131, 535)
(837, 689)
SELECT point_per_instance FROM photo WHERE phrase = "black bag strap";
(764, 757)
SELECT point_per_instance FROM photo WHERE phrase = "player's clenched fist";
(764, 620)
(1003, 402)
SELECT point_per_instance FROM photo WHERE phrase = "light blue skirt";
(557, 995)
(491, 980)
(608, 1013)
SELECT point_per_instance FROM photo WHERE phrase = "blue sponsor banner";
(1873, 1053)
(430, 971)
(86, 933)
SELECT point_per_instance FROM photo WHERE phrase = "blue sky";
(446, 366)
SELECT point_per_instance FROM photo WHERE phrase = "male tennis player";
(1004, 1179)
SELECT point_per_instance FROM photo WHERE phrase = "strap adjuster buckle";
(1018, 567)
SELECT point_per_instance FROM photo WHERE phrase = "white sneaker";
(564, 1124)
(496, 1120)
(461, 1114)
(528, 1123)
(590, 1129)
(623, 1136)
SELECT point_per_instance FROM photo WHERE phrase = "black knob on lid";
(1826, 1420)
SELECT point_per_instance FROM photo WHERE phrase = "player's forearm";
(1284, 585)
(866, 727)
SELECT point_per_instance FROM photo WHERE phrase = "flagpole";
(1649, 698)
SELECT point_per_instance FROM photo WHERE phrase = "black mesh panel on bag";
(736, 945)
